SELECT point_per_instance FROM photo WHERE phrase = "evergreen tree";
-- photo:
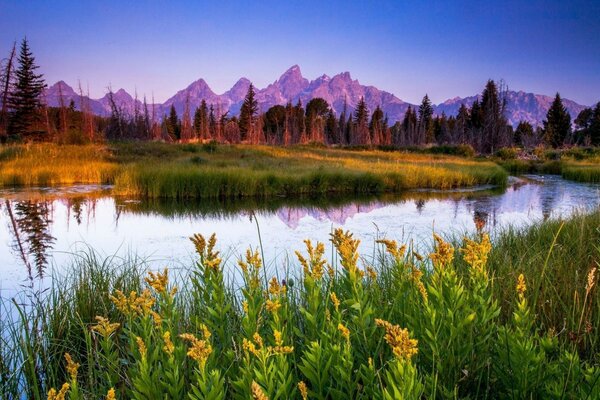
(173, 125)
(523, 132)
(361, 123)
(25, 100)
(557, 125)
(594, 128)
(462, 123)
(425, 118)
(376, 127)
(212, 124)
(494, 130)
(248, 114)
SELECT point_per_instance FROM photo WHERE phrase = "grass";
(200, 171)
(518, 320)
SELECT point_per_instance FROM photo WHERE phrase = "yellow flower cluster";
(416, 275)
(347, 248)
(158, 281)
(303, 390)
(591, 279)
(252, 265)
(104, 326)
(345, 331)
(272, 305)
(209, 257)
(200, 350)
(399, 340)
(111, 394)
(141, 346)
(335, 300)
(275, 288)
(53, 395)
(392, 248)
(257, 392)
(443, 252)
(133, 304)
(314, 266)
(168, 348)
(257, 345)
(521, 286)
(476, 254)
(371, 273)
(72, 367)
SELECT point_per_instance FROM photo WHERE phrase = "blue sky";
(409, 48)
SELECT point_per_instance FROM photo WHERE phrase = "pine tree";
(361, 124)
(523, 132)
(6, 80)
(248, 114)
(25, 100)
(173, 126)
(594, 128)
(425, 118)
(557, 125)
(376, 127)
(494, 132)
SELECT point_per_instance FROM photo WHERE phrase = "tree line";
(482, 125)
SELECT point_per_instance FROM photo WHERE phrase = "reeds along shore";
(518, 320)
(215, 171)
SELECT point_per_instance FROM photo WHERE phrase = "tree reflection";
(30, 225)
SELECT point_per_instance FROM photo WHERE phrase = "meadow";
(469, 320)
(182, 171)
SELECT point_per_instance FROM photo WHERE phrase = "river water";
(42, 228)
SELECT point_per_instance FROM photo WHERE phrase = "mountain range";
(338, 91)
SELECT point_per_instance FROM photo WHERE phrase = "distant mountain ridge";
(339, 91)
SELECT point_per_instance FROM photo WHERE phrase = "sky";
(442, 48)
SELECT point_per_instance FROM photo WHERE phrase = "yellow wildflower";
(53, 395)
(399, 340)
(521, 286)
(275, 288)
(168, 348)
(335, 300)
(314, 266)
(104, 327)
(158, 281)
(345, 331)
(258, 340)
(280, 350)
(200, 349)
(141, 346)
(476, 254)
(133, 304)
(347, 248)
(157, 318)
(303, 390)
(591, 278)
(273, 305)
(199, 243)
(111, 394)
(392, 248)
(205, 332)
(371, 272)
(278, 338)
(257, 392)
(245, 306)
(250, 347)
(72, 367)
(443, 252)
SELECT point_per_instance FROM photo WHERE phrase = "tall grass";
(476, 322)
(197, 171)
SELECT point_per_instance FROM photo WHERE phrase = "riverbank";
(522, 324)
(218, 171)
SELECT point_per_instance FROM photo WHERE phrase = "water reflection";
(45, 225)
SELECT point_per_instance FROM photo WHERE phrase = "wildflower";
(257, 392)
(199, 351)
(313, 267)
(249, 347)
(205, 332)
(258, 339)
(72, 367)
(392, 248)
(280, 350)
(303, 390)
(345, 331)
(347, 248)
(273, 305)
(168, 348)
(141, 346)
(521, 286)
(443, 254)
(371, 273)
(199, 243)
(245, 306)
(476, 254)
(590, 280)
(111, 394)
(157, 318)
(133, 304)
(417, 256)
(53, 395)
(335, 300)
(104, 327)
(158, 281)
(277, 336)
(330, 271)
(399, 340)
(275, 289)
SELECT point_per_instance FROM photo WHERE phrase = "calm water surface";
(41, 229)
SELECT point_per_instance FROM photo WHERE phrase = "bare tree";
(6, 78)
